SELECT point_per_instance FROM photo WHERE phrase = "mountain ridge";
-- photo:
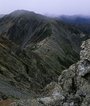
(34, 50)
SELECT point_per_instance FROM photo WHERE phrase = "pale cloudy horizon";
(47, 7)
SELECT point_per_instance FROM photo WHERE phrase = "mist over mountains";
(35, 49)
(2, 15)
(76, 19)
(79, 21)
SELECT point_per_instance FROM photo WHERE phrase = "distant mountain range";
(76, 19)
(81, 22)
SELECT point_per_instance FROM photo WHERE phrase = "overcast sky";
(51, 7)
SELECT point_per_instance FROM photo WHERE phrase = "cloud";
(55, 7)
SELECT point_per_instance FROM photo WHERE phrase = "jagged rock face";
(84, 54)
(73, 87)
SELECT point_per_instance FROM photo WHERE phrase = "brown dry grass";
(6, 102)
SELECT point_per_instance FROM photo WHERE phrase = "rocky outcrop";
(73, 87)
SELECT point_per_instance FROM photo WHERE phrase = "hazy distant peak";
(74, 16)
(1, 15)
(75, 19)
(21, 12)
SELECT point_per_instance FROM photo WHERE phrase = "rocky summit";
(41, 63)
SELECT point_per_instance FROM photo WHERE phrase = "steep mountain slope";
(34, 50)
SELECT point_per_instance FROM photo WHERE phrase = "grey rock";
(84, 67)
(74, 83)
(85, 52)
(55, 95)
